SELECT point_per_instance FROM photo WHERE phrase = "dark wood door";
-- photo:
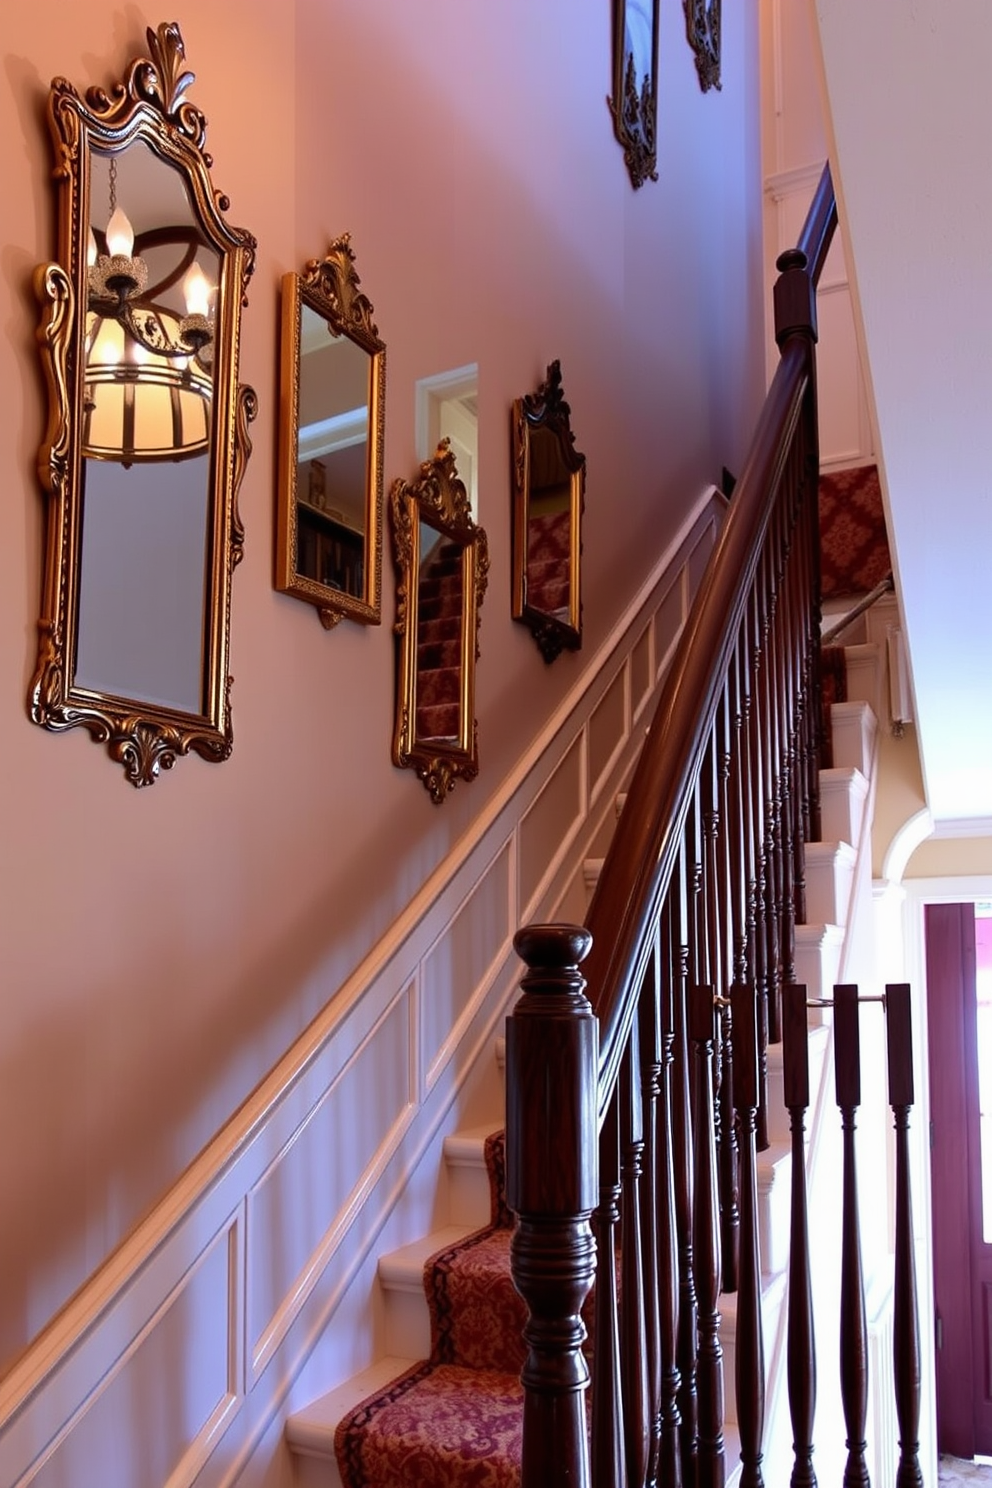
(962, 1258)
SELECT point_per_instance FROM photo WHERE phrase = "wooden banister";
(701, 886)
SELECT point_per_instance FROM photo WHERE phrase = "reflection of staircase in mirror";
(439, 644)
(548, 563)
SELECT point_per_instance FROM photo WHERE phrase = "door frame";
(961, 888)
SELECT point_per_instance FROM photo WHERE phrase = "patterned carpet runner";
(854, 548)
(456, 1418)
(439, 645)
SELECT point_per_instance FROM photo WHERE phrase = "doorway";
(959, 1011)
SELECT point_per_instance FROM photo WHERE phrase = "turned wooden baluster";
(551, 1181)
(711, 1464)
(906, 1337)
(853, 1327)
(669, 1468)
(651, 1218)
(772, 842)
(801, 1349)
(633, 1347)
(608, 1463)
(754, 796)
(728, 1157)
(749, 1348)
(685, 1352)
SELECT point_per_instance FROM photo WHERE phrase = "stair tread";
(404, 1267)
(312, 1428)
(468, 1146)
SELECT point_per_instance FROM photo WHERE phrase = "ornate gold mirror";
(702, 28)
(442, 564)
(328, 549)
(147, 433)
(634, 104)
(548, 493)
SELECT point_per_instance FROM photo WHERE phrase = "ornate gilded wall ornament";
(331, 431)
(702, 25)
(548, 495)
(442, 568)
(634, 104)
(147, 435)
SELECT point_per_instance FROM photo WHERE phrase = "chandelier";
(148, 379)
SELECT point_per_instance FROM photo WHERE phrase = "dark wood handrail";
(702, 886)
(638, 866)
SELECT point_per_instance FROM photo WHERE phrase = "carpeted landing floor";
(953, 1473)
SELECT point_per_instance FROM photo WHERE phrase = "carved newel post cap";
(792, 258)
(550, 947)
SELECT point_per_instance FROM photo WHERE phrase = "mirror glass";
(442, 566)
(549, 486)
(440, 605)
(145, 473)
(634, 104)
(148, 426)
(330, 497)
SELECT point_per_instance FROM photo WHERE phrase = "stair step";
(829, 876)
(469, 1201)
(406, 1317)
(853, 727)
(843, 798)
(310, 1431)
(818, 953)
(774, 1188)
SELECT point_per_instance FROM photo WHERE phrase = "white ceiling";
(910, 101)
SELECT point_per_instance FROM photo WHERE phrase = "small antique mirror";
(442, 563)
(328, 548)
(147, 433)
(634, 104)
(548, 492)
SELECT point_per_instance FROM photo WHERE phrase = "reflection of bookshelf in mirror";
(328, 551)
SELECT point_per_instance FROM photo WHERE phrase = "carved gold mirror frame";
(702, 29)
(331, 430)
(634, 105)
(442, 566)
(548, 496)
(141, 517)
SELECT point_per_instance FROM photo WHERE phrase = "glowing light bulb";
(90, 249)
(120, 235)
(197, 290)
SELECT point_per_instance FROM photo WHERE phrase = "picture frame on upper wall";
(634, 103)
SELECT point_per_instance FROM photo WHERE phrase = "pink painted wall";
(159, 950)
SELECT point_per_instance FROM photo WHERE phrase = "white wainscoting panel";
(199, 1324)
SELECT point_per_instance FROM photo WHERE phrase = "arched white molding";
(905, 843)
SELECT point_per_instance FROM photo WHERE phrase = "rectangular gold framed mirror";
(331, 429)
(548, 495)
(442, 566)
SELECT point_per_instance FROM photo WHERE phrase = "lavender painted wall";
(159, 950)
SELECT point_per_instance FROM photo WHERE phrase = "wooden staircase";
(401, 1306)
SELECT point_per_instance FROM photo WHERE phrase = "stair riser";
(829, 876)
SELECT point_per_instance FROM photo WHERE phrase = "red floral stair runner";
(456, 1418)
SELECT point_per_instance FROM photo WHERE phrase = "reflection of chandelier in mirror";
(148, 382)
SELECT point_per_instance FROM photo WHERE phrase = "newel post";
(552, 1051)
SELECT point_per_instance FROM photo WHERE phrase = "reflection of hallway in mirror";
(439, 644)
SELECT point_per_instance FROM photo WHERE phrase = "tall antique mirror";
(442, 564)
(328, 548)
(147, 433)
(634, 104)
(548, 494)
